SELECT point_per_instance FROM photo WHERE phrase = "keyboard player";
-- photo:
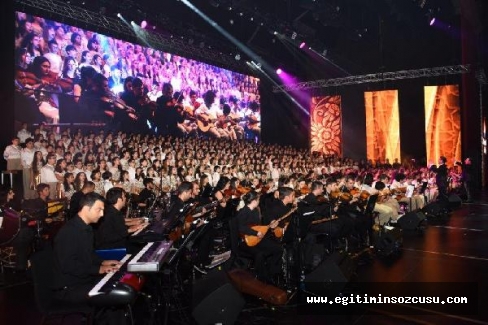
(78, 267)
(112, 231)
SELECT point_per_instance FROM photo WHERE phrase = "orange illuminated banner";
(382, 125)
(442, 123)
(326, 125)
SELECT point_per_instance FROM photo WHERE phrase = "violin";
(145, 101)
(230, 193)
(304, 190)
(119, 103)
(243, 190)
(51, 79)
(322, 199)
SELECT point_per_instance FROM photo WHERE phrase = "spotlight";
(432, 21)
(302, 45)
(294, 35)
(275, 33)
(238, 57)
(231, 21)
(241, 14)
(119, 15)
(143, 24)
(251, 19)
(132, 22)
(279, 71)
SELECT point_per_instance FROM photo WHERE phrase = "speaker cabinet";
(331, 276)
(455, 201)
(411, 220)
(215, 300)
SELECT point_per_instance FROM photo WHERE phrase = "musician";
(385, 213)
(112, 231)
(74, 203)
(267, 253)
(166, 116)
(147, 196)
(227, 126)
(92, 102)
(7, 200)
(205, 116)
(279, 207)
(467, 178)
(441, 179)
(35, 212)
(141, 106)
(253, 127)
(204, 240)
(399, 184)
(187, 125)
(180, 205)
(47, 100)
(336, 229)
(77, 265)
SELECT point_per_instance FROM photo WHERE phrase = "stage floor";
(453, 249)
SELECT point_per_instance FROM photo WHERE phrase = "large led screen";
(326, 125)
(442, 123)
(382, 125)
(66, 74)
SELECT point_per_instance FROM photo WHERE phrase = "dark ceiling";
(356, 35)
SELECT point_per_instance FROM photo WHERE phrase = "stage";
(452, 249)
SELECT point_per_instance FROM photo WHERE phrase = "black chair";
(43, 276)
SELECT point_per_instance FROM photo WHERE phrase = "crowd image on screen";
(68, 74)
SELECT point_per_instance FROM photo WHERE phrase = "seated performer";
(76, 263)
(112, 231)
(35, 212)
(267, 253)
(180, 206)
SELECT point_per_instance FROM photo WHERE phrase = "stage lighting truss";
(376, 77)
(58, 10)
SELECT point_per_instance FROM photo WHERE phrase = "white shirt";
(26, 157)
(215, 178)
(12, 152)
(23, 135)
(47, 174)
(107, 185)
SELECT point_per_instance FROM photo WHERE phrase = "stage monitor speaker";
(388, 241)
(215, 300)
(331, 276)
(455, 201)
(411, 220)
(433, 209)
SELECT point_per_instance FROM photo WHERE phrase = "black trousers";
(267, 257)
(78, 296)
(22, 245)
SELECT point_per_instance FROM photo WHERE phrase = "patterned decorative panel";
(326, 125)
(382, 125)
(442, 123)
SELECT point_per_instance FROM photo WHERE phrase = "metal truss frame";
(177, 44)
(375, 77)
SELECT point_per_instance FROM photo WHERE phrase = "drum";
(9, 225)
